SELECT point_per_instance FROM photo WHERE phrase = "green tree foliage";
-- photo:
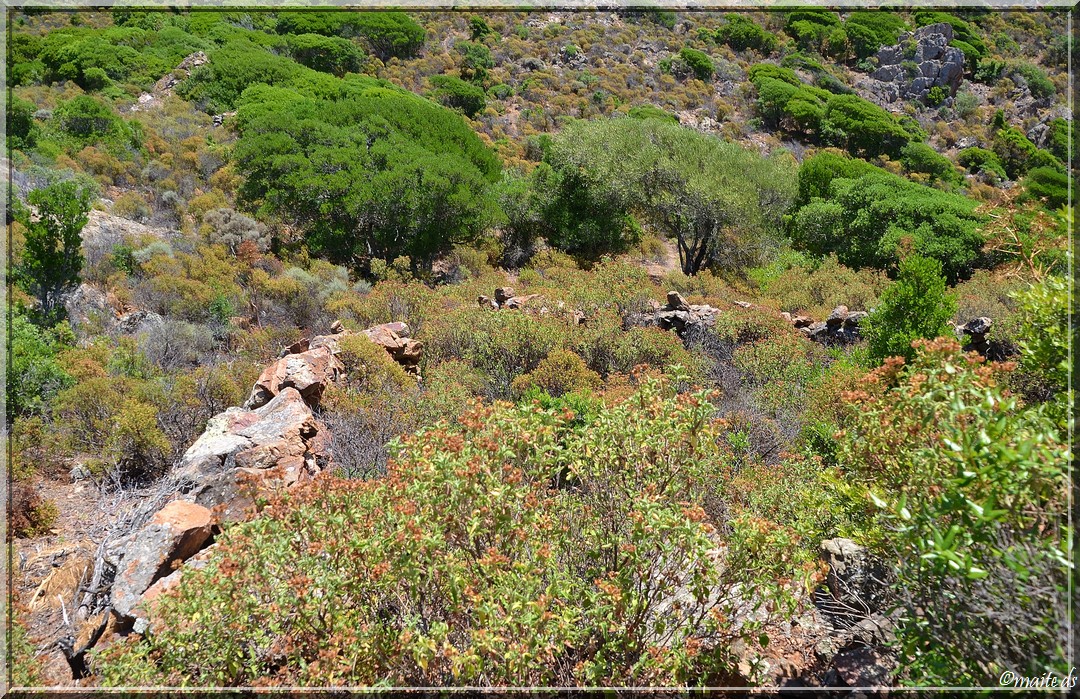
(34, 377)
(818, 172)
(742, 33)
(478, 28)
(720, 202)
(332, 54)
(377, 173)
(863, 128)
(916, 306)
(388, 34)
(455, 93)
(970, 488)
(476, 60)
(844, 120)
(867, 220)
(1043, 315)
(52, 257)
(587, 530)
(919, 157)
(869, 30)
(810, 27)
(21, 130)
(85, 120)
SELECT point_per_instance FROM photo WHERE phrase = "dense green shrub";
(649, 111)
(981, 160)
(917, 305)
(388, 34)
(34, 377)
(818, 172)
(327, 54)
(843, 119)
(476, 60)
(919, 157)
(21, 129)
(867, 220)
(742, 33)
(869, 30)
(861, 127)
(699, 62)
(455, 93)
(970, 489)
(1048, 184)
(1018, 155)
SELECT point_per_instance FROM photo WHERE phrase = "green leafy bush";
(455, 93)
(34, 377)
(649, 111)
(916, 306)
(332, 55)
(721, 202)
(981, 160)
(699, 62)
(378, 173)
(919, 157)
(1018, 155)
(866, 220)
(742, 33)
(970, 489)
(520, 548)
(1048, 184)
(389, 34)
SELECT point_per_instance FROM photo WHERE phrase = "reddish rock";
(309, 372)
(174, 534)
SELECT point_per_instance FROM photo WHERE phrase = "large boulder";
(281, 433)
(175, 533)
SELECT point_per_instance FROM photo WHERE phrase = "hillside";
(539, 348)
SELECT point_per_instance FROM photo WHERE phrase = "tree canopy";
(375, 173)
(868, 217)
(720, 201)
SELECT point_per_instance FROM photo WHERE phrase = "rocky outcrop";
(308, 371)
(177, 532)
(273, 441)
(840, 328)
(505, 298)
(922, 60)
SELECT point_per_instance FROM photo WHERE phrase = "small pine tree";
(917, 305)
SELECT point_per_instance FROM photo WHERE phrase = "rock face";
(922, 60)
(274, 441)
(177, 532)
(309, 372)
